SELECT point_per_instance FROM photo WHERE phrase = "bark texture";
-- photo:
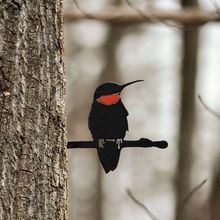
(33, 168)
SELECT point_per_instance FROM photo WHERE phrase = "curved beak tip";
(127, 84)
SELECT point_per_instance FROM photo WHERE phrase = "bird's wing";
(125, 113)
(92, 123)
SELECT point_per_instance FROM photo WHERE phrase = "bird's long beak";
(127, 84)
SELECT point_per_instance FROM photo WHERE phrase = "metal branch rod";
(188, 16)
(143, 142)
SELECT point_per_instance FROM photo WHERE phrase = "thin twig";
(140, 204)
(90, 16)
(183, 204)
(192, 193)
(150, 16)
(217, 115)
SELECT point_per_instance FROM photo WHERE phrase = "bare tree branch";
(140, 204)
(90, 15)
(143, 142)
(148, 16)
(192, 193)
(217, 115)
(184, 202)
(122, 16)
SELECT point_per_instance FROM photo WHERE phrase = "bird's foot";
(101, 143)
(119, 142)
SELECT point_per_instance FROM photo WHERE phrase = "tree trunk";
(187, 118)
(33, 168)
(215, 195)
(109, 73)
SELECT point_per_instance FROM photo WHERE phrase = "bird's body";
(108, 122)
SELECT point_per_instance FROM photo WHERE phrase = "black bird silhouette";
(108, 122)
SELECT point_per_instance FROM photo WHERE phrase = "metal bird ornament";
(108, 125)
(108, 122)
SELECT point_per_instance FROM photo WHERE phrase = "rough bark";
(33, 168)
(187, 118)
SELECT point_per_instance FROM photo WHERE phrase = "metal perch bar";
(143, 142)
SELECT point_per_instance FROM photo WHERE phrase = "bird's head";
(109, 93)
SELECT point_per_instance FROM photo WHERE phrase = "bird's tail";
(109, 156)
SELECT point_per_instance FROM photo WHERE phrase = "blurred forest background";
(180, 182)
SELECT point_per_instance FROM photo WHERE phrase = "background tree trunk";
(187, 118)
(215, 195)
(110, 73)
(33, 168)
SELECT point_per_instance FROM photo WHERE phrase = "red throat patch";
(109, 99)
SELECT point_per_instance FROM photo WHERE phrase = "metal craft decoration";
(108, 125)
